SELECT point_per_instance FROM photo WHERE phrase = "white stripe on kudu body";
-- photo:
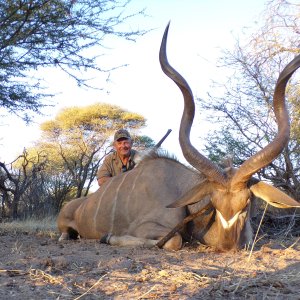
(113, 213)
(133, 187)
(99, 204)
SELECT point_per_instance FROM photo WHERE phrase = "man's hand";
(102, 180)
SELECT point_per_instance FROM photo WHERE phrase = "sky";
(199, 30)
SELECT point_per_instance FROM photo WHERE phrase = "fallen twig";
(98, 281)
(147, 292)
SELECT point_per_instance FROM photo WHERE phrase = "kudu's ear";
(194, 195)
(273, 196)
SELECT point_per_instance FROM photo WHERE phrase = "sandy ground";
(34, 266)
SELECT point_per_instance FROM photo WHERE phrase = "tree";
(18, 181)
(36, 34)
(244, 112)
(142, 142)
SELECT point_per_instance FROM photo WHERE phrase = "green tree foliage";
(244, 111)
(35, 34)
(142, 142)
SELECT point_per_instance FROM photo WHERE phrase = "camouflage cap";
(122, 133)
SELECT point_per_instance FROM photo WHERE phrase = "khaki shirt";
(112, 165)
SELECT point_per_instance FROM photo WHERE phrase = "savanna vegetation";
(64, 161)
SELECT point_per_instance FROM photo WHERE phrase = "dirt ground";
(35, 266)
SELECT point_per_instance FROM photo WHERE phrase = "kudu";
(139, 207)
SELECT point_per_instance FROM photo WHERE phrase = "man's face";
(123, 146)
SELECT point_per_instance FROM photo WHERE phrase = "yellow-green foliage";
(294, 111)
(50, 126)
(133, 117)
(91, 116)
(30, 157)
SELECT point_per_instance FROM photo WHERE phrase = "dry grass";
(45, 227)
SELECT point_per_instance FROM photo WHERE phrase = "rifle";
(162, 139)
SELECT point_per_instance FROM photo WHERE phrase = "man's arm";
(104, 172)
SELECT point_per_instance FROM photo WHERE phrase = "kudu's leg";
(172, 244)
(147, 235)
(66, 222)
(128, 241)
(157, 231)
